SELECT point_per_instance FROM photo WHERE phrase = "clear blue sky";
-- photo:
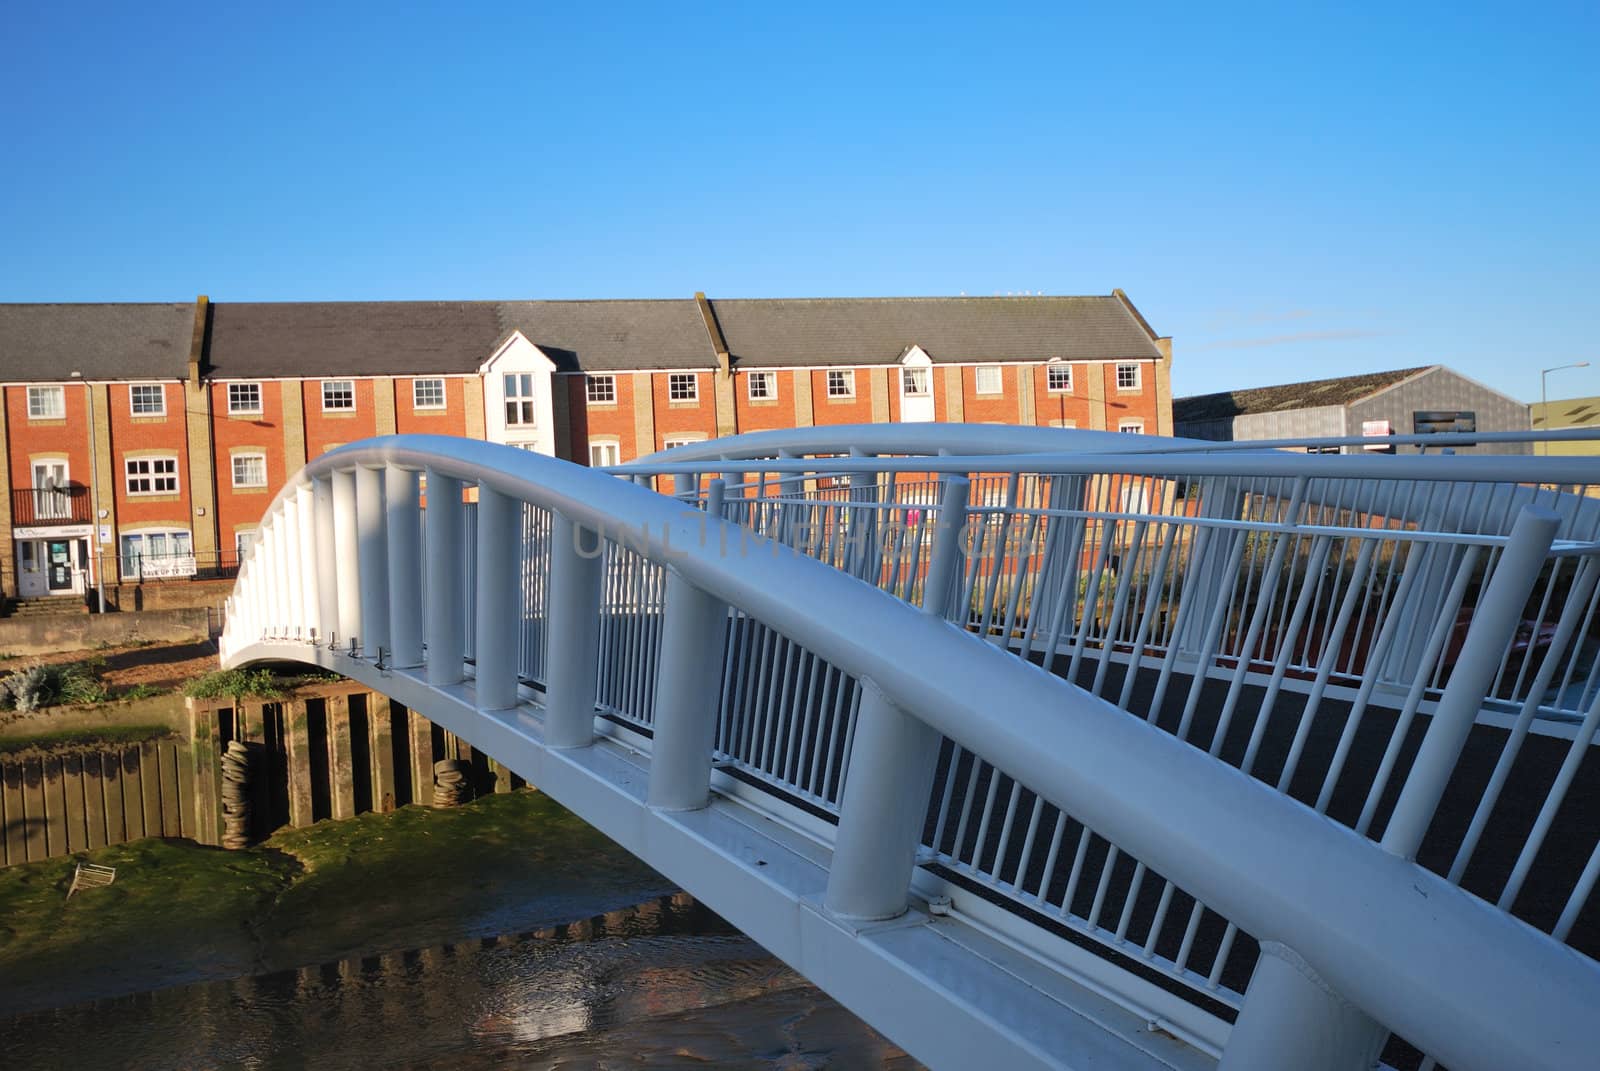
(1289, 193)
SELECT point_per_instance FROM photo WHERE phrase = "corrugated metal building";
(1398, 402)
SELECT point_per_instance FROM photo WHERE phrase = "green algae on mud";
(180, 911)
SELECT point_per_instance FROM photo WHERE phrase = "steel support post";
(374, 569)
(446, 595)
(346, 555)
(1493, 628)
(403, 526)
(893, 759)
(694, 635)
(1222, 498)
(944, 567)
(326, 557)
(310, 600)
(886, 790)
(577, 558)
(1291, 1018)
(498, 599)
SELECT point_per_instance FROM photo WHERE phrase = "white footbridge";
(1034, 748)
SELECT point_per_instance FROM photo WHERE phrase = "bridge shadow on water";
(660, 984)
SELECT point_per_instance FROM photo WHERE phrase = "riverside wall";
(329, 751)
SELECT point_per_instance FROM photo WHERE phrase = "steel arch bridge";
(1034, 748)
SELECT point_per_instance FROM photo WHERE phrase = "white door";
(30, 568)
(50, 490)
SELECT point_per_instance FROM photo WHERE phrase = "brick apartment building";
(158, 433)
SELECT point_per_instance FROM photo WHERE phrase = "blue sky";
(1290, 191)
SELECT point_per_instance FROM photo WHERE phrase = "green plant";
(234, 684)
(143, 690)
(37, 686)
(28, 689)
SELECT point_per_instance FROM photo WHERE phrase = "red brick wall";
(326, 430)
(168, 434)
(1002, 408)
(1125, 405)
(764, 415)
(857, 410)
(243, 507)
(409, 420)
(606, 420)
(1072, 405)
(697, 417)
(69, 436)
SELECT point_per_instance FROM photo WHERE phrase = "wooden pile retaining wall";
(329, 751)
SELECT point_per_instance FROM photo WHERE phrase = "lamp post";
(95, 553)
(1544, 396)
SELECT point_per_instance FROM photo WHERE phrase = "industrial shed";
(1401, 401)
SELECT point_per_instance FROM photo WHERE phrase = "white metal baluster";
(576, 559)
(374, 564)
(347, 556)
(498, 600)
(403, 527)
(686, 697)
(310, 597)
(446, 618)
(327, 558)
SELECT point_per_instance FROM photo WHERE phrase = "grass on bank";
(180, 911)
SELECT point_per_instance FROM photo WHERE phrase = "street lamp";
(1544, 396)
(96, 553)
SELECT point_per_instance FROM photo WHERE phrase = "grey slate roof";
(1309, 395)
(355, 338)
(613, 336)
(261, 340)
(47, 343)
(818, 331)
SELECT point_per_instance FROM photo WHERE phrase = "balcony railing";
(37, 507)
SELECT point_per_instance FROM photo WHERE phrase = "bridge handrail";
(1398, 941)
(934, 438)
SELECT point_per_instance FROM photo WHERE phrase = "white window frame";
(681, 438)
(603, 453)
(38, 409)
(600, 389)
(1051, 371)
(769, 389)
(844, 386)
(999, 386)
(234, 466)
(522, 395)
(1131, 425)
(173, 562)
(916, 382)
(153, 471)
(160, 397)
(1137, 375)
(432, 382)
(240, 397)
(683, 387)
(243, 540)
(343, 395)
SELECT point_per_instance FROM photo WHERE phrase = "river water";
(664, 983)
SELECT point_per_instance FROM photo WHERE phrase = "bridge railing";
(896, 728)
(1299, 618)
